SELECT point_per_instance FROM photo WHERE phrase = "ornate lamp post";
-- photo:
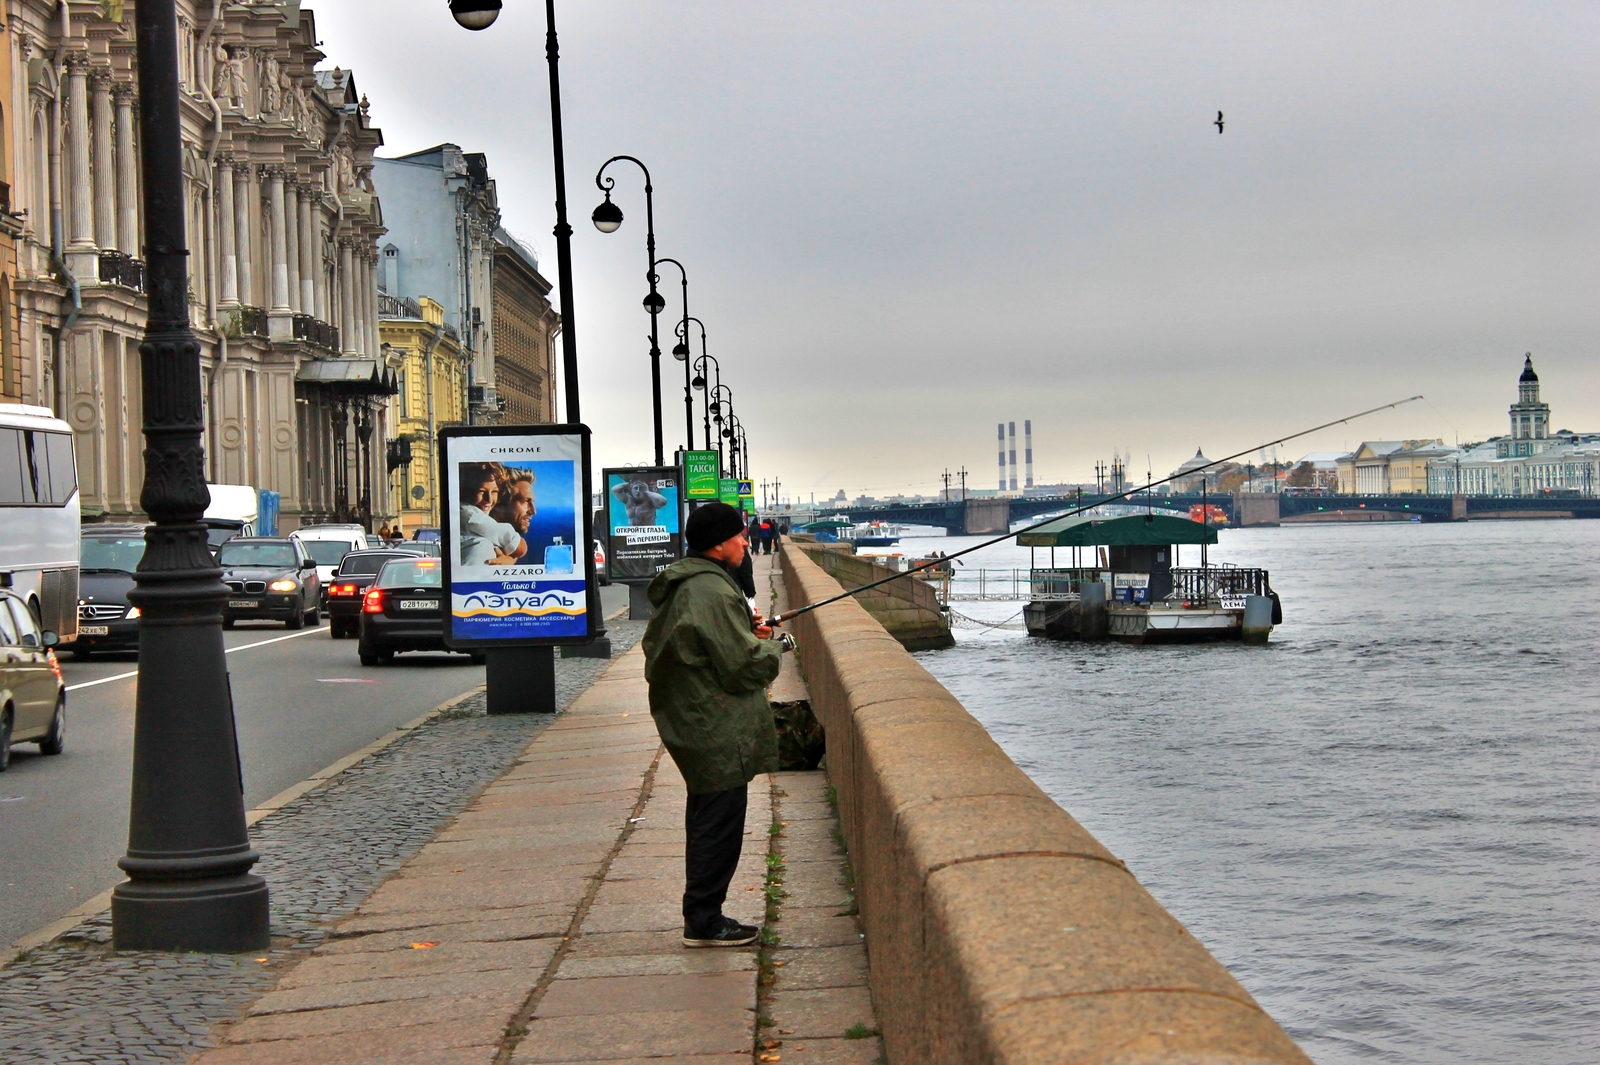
(732, 432)
(680, 351)
(699, 380)
(189, 885)
(608, 219)
(721, 399)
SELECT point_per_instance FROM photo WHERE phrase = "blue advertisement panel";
(642, 529)
(516, 542)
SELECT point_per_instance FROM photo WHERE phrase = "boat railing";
(1204, 584)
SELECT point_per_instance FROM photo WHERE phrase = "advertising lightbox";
(516, 542)
(643, 532)
(728, 491)
(701, 470)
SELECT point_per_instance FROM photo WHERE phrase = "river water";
(1384, 823)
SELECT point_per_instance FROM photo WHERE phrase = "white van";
(234, 511)
(328, 544)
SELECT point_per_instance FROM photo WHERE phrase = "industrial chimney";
(1002, 428)
(1027, 443)
(1013, 426)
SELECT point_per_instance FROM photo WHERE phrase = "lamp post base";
(226, 915)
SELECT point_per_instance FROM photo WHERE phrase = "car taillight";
(373, 603)
(343, 589)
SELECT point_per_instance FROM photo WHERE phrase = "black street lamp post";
(721, 397)
(680, 351)
(189, 885)
(608, 219)
(702, 383)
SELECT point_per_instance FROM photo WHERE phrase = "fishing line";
(779, 619)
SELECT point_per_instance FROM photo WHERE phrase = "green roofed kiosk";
(1125, 583)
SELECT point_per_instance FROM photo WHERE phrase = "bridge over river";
(996, 515)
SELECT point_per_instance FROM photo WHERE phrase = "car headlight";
(132, 614)
(283, 586)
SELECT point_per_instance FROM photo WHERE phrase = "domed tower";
(1530, 419)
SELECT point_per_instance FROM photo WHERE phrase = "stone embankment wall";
(998, 929)
(908, 609)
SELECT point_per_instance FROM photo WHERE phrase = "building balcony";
(119, 268)
(246, 322)
(398, 307)
(315, 331)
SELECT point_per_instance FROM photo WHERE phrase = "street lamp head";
(608, 216)
(699, 382)
(680, 351)
(475, 14)
(727, 434)
(653, 303)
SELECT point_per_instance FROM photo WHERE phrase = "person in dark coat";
(708, 663)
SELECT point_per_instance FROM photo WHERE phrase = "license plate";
(243, 604)
(1233, 602)
(94, 630)
(419, 604)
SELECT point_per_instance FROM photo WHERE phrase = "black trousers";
(714, 833)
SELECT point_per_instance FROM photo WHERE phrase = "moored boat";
(1131, 587)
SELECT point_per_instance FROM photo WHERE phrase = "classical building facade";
(443, 211)
(525, 327)
(1529, 460)
(432, 394)
(283, 237)
(1389, 467)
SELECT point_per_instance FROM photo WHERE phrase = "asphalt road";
(302, 701)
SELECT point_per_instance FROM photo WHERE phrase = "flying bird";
(1218, 123)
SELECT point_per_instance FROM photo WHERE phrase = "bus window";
(63, 477)
(14, 484)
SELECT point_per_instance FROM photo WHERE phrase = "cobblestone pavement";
(76, 1000)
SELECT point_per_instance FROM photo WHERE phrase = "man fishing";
(708, 662)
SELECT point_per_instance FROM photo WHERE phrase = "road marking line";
(227, 651)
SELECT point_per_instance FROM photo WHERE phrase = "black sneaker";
(729, 933)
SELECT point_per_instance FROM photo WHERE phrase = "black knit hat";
(711, 524)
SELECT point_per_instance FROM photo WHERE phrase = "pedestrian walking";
(766, 537)
(383, 532)
(708, 661)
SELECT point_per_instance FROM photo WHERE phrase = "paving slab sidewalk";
(543, 925)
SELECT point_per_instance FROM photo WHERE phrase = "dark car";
(269, 578)
(349, 587)
(403, 610)
(106, 620)
(33, 698)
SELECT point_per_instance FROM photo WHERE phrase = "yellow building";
(433, 392)
(1388, 467)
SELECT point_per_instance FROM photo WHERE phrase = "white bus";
(39, 515)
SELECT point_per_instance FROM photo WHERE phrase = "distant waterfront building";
(1390, 467)
(1530, 460)
(1193, 477)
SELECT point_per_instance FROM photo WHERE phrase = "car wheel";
(55, 741)
(5, 739)
(313, 617)
(297, 620)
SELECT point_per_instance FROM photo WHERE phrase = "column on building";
(127, 172)
(225, 223)
(105, 186)
(358, 282)
(291, 232)
(310, 257)
(243, 192)
(369, 296)
(347, 315)
(279, 241)
(81, 231)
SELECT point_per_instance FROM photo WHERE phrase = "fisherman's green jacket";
(708, 676)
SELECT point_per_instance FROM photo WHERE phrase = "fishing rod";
(779, 619)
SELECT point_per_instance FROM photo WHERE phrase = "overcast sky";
(904, 223)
